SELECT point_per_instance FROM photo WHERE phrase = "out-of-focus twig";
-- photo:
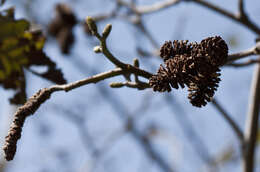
(129, 120)
(227, 155)
(237, 18)
(230, 121)
(149, 8)
(156, 7)
(120, 110)
(86, 138)
(2, 165)
(241, 7)
(251, 127)
(188, 129)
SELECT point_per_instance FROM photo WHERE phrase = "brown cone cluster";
(61, 27)
(195, 65)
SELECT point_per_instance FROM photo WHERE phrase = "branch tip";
(106, 31)
(92, 25)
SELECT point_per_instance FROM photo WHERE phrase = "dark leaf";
(19, 49)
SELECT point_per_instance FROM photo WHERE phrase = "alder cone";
(171, 49)
(216, 48)
(193, 65)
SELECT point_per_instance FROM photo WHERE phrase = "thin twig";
(251, 127)
(230, 121)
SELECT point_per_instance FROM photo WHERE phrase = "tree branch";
(32, 105)
(140, 10)
(139, 85)
(156, 7)
(241, 8)
(242, 20)
(247, 63)
(252, 123)
(236, 56)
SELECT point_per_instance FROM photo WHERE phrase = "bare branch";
(247, 63)
(252, 123)
(240, 55)
(139, 85)
(241, 9)
(32, 105)
(230, 121)
(156, 7)
(244, 21)
(216, 9)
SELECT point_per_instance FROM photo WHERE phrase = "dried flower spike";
(193, 65)
(14, 133)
